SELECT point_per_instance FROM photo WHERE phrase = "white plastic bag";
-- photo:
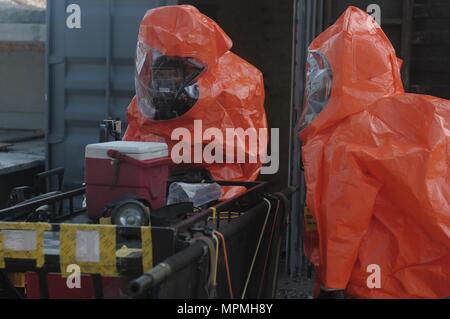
(198, 194)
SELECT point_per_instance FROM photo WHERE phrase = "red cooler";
(120, 170)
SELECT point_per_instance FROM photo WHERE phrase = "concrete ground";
(299, 287)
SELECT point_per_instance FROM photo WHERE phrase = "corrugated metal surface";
(22, 36)
(308, 15)
(430, 64)
(22, 66)
(90, 74)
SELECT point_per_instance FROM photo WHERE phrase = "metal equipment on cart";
(226, 250)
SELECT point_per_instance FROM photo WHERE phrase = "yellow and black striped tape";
(147, 248)
(36, 254)
(106, 265)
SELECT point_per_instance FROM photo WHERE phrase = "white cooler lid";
(141, 151)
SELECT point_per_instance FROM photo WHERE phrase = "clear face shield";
(319, 79)
(165, 86)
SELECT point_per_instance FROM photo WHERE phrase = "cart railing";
(57, 242)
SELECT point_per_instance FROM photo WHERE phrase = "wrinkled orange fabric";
(231, 89)
(376, 164)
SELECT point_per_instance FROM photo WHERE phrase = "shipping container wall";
(430, 48)
(22, 66)
(90, 73)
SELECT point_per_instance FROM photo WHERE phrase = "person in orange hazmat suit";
(186, 72)
(376, 164)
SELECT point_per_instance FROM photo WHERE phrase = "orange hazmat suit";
(222, 89)
(376, 164)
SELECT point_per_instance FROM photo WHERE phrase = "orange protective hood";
(376, 164)
(185, 32)
(231, 90)
(363, 64)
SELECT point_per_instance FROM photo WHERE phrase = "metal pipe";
(25, 208)
(109, 17)
(170, 266)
